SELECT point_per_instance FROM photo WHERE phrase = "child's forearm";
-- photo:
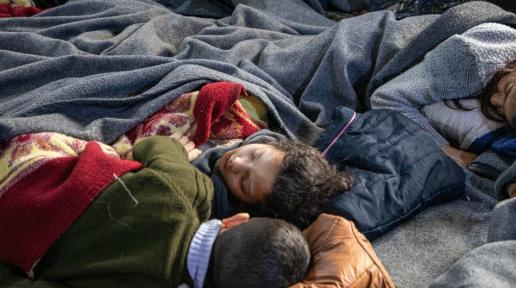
(462, 158)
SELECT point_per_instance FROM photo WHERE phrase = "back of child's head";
(263, 252)
(304, 186)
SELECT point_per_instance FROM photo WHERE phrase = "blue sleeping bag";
(398, 169)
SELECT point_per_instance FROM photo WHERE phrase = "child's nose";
(238, 164)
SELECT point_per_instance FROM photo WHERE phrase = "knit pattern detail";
(200, 251)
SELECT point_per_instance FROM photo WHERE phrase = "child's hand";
(462, 158)
(189, 146)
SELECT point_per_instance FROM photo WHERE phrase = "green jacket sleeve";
(137, 232)
(167, 157)
(154, 148)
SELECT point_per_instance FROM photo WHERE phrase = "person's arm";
(168, 157)
(462, 158)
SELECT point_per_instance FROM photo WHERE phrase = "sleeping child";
(283, 179)
(462, 90)
(286, 179)
(477, 65)
(142, 227)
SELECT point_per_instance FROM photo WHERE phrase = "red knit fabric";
(216, 110)
(7, 10)
(24, 11)
(38, 209)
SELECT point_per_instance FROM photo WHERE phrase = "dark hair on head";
(304, 186)
(263, 252)
(458, 105)
(485, 96)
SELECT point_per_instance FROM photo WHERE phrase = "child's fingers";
(177, 135)
(183, 140)
(189, 146)
(194, 154)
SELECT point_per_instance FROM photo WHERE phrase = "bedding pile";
(94, 70)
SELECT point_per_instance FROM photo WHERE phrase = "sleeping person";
(462, 90)
(287, 179)
(278, 179)
(149, 227)
(476, 124)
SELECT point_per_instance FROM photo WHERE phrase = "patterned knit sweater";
(137, 235)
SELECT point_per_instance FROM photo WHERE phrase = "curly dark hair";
(304, 186)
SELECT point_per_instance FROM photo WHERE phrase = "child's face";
(504, 99)
(250, 171)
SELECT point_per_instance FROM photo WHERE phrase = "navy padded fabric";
(398, 169)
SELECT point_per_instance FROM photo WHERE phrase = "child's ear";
(235, 220)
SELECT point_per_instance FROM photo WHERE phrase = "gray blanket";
(93, 69)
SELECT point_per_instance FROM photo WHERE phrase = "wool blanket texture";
(94, 69)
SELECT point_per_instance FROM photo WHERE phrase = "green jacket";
(121, 241)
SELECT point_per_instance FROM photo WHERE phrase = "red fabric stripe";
(7, 11)
(38, 209)
(24, 11)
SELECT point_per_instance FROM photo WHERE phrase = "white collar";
(199, 252)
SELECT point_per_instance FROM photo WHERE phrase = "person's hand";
(234, 220)
(462, 158)
(189, 146)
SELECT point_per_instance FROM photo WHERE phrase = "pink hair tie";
(340, 133)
